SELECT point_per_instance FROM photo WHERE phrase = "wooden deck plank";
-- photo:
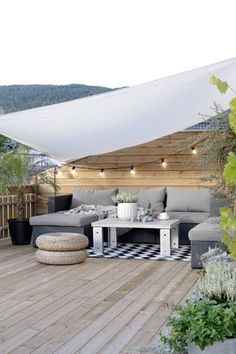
(126, 317)
(94, 306)
(101, 306)
(148, 334)
(133, 301)
(121, 339)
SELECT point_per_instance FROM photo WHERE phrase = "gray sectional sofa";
(57, 221)
(202, 236)
(192, 206)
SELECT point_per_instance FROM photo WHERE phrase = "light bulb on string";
(132, 170)
(194, 151)
(163, 163)
(73, 170)
(101, 172)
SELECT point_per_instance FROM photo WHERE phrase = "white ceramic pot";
(226, 347)
(127, 211)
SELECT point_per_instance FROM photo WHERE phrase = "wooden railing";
(8, 210)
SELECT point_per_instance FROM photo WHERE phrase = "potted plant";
(205, 324)
(203, 327)
(17, 168)
(126, 205)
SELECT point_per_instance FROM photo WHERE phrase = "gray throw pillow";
(188, 199)
(97, 197)
(153, 197)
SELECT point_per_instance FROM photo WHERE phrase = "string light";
(163, 163)
(101, 173)
(132, 170)
(73, 169)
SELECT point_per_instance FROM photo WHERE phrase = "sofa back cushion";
(188, 199)
(97, 197)
(153, 197)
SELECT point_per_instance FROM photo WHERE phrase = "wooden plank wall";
(182, 167)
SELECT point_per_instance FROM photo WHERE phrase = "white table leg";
(165, 242)
(175, 237)
(98, 246)
(112, 237)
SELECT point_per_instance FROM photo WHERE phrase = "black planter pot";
(20, 231)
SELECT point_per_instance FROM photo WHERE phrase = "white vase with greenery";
(126, 206)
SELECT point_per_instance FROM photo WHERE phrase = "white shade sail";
(121, 118)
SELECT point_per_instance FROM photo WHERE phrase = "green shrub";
(219, 280)
(202, 323)
(125, 198)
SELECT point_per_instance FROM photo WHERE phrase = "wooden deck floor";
(101, 306)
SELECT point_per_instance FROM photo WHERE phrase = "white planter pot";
(226, 347)
(127, 211)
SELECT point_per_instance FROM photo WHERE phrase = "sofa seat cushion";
(209, 230)
(96, 197)
(153, 197)
(61, 219)
(188, 199)
(189, 217)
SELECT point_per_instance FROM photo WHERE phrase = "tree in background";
(214, 144)
(7, 144)
(15, 98)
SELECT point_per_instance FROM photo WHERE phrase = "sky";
(111, 43)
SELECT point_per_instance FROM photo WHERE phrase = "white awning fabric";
(126, 117)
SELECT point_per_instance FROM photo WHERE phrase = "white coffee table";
(169, 233)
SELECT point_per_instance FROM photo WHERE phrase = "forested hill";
(19, 97)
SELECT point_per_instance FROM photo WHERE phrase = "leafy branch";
(228, 216)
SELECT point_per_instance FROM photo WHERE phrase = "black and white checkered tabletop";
(143, 251)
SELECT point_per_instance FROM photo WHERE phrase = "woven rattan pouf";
(61, 248)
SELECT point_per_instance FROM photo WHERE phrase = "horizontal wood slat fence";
(8, 210)
(182, 167)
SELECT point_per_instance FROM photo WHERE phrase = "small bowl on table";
(163, 216)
